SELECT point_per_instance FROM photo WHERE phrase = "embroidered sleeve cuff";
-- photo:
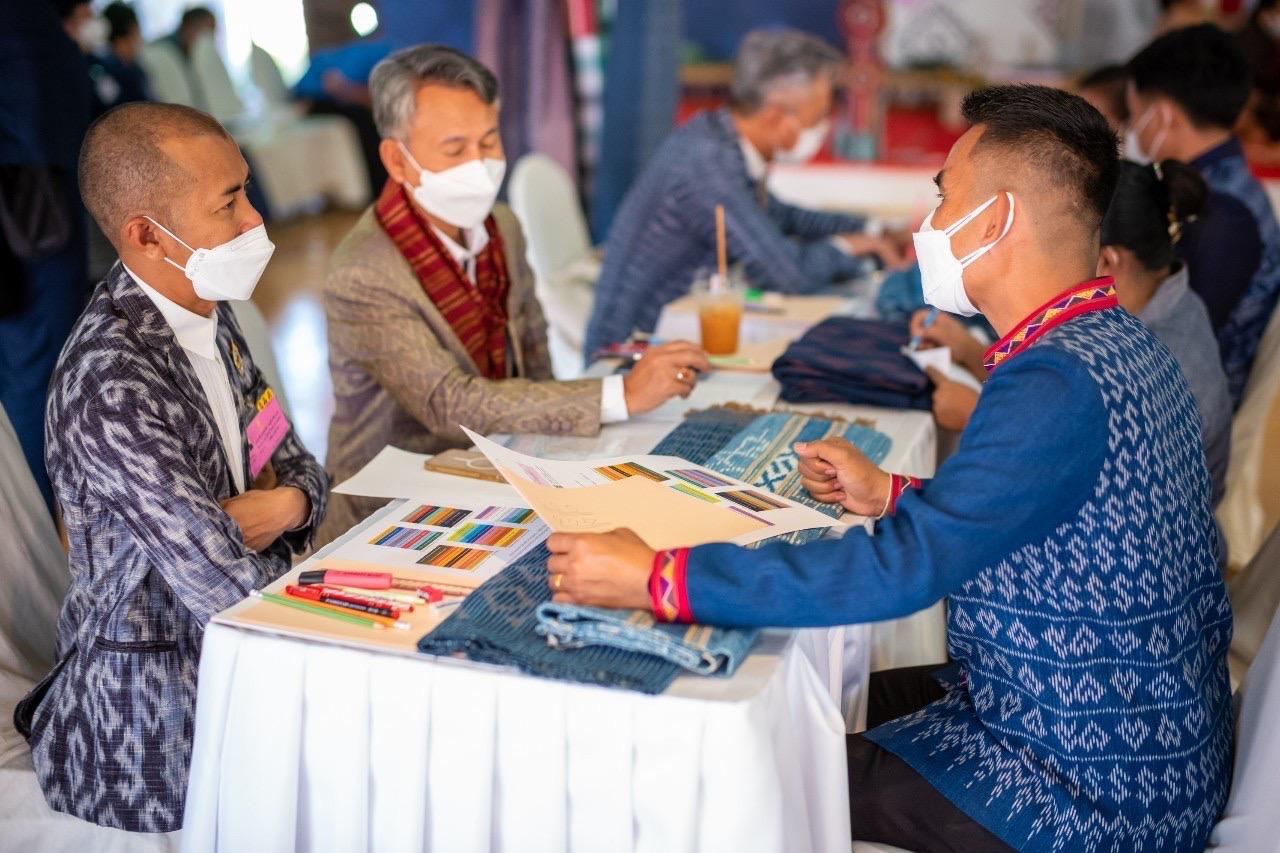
(613, 401)
(668, 593)
(898, 484)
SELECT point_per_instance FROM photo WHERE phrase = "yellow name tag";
(266, 398)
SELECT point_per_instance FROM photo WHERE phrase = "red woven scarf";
(477, 314)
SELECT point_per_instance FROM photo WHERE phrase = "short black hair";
(1110, 81)
(197, 15)
(64, 8)
(1057, 132)
(1201, 69)
(1150, 207)
(121, 19)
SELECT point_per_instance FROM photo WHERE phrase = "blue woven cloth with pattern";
(510, 619)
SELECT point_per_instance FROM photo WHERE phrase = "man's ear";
(141, 236)
(1108, 261)
(396, 164)
(998, 216)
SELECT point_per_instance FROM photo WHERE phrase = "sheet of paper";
(939, 358)
(752, 357)
(396, 473)
(667, 501)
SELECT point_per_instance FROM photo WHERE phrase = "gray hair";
(394, 82)
(769, 60)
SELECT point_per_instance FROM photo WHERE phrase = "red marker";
(311, 593)
(357, 598)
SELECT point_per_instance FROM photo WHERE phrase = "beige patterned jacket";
(402, 377)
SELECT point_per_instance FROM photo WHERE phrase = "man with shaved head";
(180, 481)
(1087, 705)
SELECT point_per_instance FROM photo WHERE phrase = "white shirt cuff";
(613, 401)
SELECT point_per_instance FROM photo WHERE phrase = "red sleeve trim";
(668, 593)
(898, 484)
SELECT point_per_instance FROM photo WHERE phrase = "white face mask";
(1132, 148)
(462, 195)
(230, 271)
(808, 144)
(92, 35)
(941, 272)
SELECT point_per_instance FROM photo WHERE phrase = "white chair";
(221, 100)
(1249, 507)
(267, 77)
(35, 581)
(544, 199)
(254, 328)
(1251, 821)
(300, 162)
(1255, 597)
(166, 73)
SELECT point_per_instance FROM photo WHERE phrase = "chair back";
(221, 100)
(544, 198)
(166, 73)
(267, 77)
(34, 569)
(1251, 506)
(1251, 821)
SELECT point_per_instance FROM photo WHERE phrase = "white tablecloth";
(302, 745)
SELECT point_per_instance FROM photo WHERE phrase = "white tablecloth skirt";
(310, 747)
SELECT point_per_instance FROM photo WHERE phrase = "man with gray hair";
(664, 232)
(433, 319)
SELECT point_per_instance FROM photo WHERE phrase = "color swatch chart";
(453, 537)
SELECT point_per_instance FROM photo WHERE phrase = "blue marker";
(928, 321)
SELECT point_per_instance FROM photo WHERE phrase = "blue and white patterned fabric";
(664, 233)
(1248, 221)
(1088, 707)
(139, 469)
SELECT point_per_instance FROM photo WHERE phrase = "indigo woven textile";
(844, 360)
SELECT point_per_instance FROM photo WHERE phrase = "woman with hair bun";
(1150, 207)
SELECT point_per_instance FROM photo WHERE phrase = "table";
(307, 745)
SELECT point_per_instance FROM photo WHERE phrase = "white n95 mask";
(229, 271)
(941, 272)
(808, 144)
(462, 195)
(1131, 147)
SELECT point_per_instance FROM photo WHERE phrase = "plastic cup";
(719, 315)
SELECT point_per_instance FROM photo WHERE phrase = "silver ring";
(679, 375)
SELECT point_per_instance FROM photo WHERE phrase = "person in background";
(1104, 89)
(44, 109)
(120, 61)
(180, 488)
(1152, 207)
(1086, 705)
(1179, 14)
(1259, 126)
(1186, 91)
(432, 316)
(779, 111)
(196, 23)
(336, 82)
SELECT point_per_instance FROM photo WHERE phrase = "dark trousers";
(891, 803)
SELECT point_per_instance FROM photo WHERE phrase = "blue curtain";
(641, 90)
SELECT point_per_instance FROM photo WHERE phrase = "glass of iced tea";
(719, 314)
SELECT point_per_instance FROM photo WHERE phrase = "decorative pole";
(861, 136)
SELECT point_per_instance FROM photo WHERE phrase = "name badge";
(267, 429)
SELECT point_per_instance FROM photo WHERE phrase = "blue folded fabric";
(510, 619)
(703, 649)
(846, 360)
(498, 624)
